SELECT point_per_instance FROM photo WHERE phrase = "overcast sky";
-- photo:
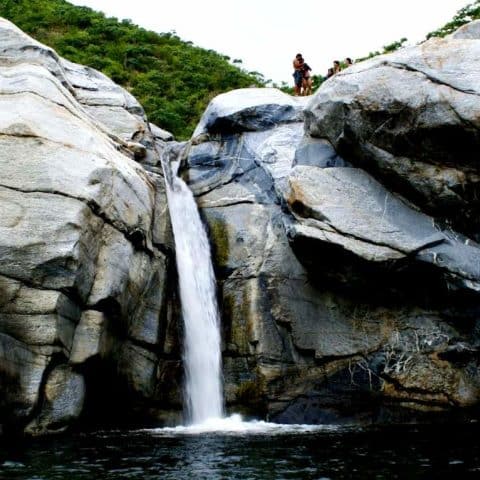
(266, 34)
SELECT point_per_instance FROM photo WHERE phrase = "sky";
(266, 34)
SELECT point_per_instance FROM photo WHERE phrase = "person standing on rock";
(298, 73)
(307, 79)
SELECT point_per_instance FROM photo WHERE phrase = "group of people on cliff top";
(302, 77)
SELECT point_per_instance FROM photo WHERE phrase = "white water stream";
(202, 353)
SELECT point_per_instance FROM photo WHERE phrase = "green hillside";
(171, 78)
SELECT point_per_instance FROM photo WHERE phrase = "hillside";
(172, 79)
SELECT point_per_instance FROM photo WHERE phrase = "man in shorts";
(298, 73)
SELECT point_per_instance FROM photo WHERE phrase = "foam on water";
(236, 425)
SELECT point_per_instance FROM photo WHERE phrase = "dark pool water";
(382, 453)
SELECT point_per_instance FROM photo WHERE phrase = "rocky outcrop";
(411, 120)
(83, 268)
(469, 31)
(345, 245)
(348, 208)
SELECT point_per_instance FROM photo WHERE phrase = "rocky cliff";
(85, 248)
(344, 234)
(343, 230)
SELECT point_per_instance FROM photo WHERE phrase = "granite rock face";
(345, 244)
(348, 208)
(83, 272)
(411, 119)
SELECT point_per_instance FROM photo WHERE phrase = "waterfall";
(202, 353)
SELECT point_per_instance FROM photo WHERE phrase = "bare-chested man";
(298, 73)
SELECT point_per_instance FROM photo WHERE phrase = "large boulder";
(83, 271)
(411, 119)
(348, 208)
(249, 109)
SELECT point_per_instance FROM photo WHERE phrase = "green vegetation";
(171, 78)
(463, 16)
(391, 47)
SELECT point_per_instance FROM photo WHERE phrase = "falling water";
(202, 355)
